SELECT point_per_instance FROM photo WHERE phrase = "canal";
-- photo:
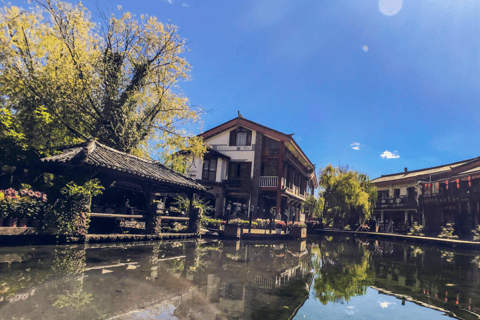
(322, 278)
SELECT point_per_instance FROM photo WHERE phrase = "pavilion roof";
(95, 154)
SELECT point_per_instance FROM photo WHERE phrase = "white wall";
(237, 154)
(402, 187)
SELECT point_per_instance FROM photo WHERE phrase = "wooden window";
(209, 169)
(239, 170)
(240, 137)
(396, 193)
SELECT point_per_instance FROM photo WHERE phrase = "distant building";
(252, 169)
(432, 196)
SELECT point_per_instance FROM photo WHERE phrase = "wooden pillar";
(280, 176)
(193, 215)
(279, 185)
(406, 217)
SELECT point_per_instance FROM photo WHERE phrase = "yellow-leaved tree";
(65, 78)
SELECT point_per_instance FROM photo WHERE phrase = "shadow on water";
(329, 277)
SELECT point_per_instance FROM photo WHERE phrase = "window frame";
(207, 172)
(233, 137)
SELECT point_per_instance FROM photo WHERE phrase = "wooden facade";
(260, 171)
(433, 197)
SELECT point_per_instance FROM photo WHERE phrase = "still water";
(322, 278)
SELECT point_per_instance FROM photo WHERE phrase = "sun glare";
(390, 7)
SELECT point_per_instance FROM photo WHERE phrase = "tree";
(346, 194)
(65, 78)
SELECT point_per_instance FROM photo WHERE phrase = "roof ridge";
(124, 153)
(429, 168)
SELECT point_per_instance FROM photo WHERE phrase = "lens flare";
(390, 7)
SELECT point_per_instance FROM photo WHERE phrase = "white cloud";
(365, 48)
(355, 146)
(169, 1)
(185, 5)
(389, 155)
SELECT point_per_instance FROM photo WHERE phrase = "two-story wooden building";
(432, 196)
(252, 169)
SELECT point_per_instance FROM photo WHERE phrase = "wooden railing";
(268, 181)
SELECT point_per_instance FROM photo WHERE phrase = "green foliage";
(212, 222)
(70, 213)
(346, 194)
(183, 205)
(417, 230)
(239, 222)
(313, 207)
(347, 227)
(476, 233)
(336, 282)
(65, 77)
(24, 204)
(447, 232)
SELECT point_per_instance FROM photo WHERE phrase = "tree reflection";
(70, 262)
(340, 273)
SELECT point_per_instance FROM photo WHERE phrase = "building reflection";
(184, 280)
(229, 279)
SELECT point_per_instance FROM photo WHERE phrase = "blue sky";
(302, 67)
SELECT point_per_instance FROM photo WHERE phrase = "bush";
(239, 222)
(447, 232)
(69, 213)
(24, 204)
(476, 233)
(416, 230)
(212, 222)
(280, 224)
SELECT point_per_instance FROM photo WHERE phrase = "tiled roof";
(472, 170)
(96, 154)
(421, 172)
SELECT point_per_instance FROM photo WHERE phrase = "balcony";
(295, 191)
(402, 202)
(268, 182)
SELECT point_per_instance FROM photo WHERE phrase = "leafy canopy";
(65, 78)
(345, 194)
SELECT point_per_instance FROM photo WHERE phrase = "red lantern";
(446, 183)
(458, 184)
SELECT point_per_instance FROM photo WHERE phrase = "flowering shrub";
(476, 233)
(299, 224)
(24, 204)
(212, 222)
(262, 223)
(239, 222)
(280, 224)
(416, 230)
(447, 232)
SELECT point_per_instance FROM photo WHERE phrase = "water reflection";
(342, 271)
(238, 280)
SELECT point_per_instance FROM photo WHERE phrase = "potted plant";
(10, 206)
(3, 208)
(233, 229)
(299, 230)
(279, 225)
